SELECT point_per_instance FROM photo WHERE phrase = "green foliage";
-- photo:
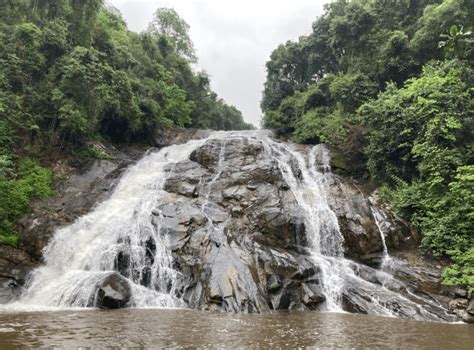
(167, 22)
(388, 85)
(437, 20)
(461, 272)
(10, 240)
(458, 43)
(365, 44)
(421, 128)
(71, 72)
(31, 181)
(71, 69)
(420, 140)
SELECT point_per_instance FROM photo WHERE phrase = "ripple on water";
(188, 328)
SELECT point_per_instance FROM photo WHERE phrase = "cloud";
(233, 39)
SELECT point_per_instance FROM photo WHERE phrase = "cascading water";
(120, 228)
(310, 193)
(338, 275)
(379, 217)
(127, 234)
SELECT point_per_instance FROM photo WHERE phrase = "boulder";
(470, 308)
(458, 304)
(113, 292)
(467, 317)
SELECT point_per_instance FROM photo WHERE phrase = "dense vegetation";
(389, 86)
(71, 72)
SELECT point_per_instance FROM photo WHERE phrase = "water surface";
(156, 328)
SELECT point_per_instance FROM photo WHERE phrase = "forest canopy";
(71, 72)
(388, 85)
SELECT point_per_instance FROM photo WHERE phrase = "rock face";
(238, 235)
(14, 267)
(235, 232)
(113, 292)
(237, 238)
(355, 213)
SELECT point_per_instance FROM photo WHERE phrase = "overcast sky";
(233, 38)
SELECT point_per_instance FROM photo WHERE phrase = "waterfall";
(309, 184)
(311, 194)
(121, 227)
(127, 233)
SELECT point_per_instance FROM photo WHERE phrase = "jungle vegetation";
(71, 72)
(388, 85)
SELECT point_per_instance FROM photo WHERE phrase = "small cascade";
(309, 178)
(378, 217)
(309, 189)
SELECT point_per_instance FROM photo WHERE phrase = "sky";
(233, 39)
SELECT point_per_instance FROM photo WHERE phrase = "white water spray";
(81, 254)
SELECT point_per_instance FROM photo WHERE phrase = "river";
(178, 328)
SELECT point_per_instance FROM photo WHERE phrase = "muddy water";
(186, 328)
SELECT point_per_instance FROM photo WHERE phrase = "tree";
(166, 22)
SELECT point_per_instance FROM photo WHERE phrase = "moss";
(30, 181)
(92, 152)
(341, 164)
(10, 240)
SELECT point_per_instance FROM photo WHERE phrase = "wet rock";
(273, 284)
(185, 178)
(355, 302)
(82, 185)
(236, 212)
(207, 155)
(458, 304)
(14, 268)
(122, 263)
(361, 231)
(460, 293)
(113, 292)
(470, 308)
(467, 317)
(173, 136)
(312, 295)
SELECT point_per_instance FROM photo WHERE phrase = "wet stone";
(113, 292)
